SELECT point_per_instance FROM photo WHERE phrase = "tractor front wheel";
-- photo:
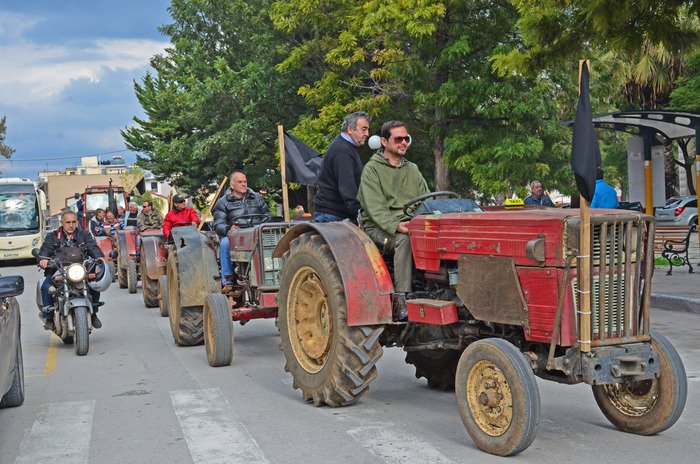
(647, 407)
(149, 287)
(497, 397)
(218, 330)
(330, 362)
(122, 276)
(132, 276)
(185, 322)
(163, 297)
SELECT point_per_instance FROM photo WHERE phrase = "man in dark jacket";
(341, 169)
(68, 235)
(239, 208)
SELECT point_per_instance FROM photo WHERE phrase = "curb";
(683, 304)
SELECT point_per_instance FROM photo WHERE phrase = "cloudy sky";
(66, 80)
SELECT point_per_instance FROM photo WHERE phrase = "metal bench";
(675, 249)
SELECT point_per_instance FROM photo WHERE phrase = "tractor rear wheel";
(437, 366)
(163, 297)
(132, 276)
(149, 287)
(497, 397)
(185, 323)
(330, 362)
(647, 407)
(218, 330)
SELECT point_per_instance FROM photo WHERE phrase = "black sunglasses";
(399, 139)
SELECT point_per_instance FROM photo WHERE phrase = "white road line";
(394, 446)
(213, 433)
(61, 433)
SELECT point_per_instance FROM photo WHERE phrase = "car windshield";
(18, 211)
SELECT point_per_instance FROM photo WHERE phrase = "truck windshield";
(18, 212)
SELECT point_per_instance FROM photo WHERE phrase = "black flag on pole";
(303, 163)
(585, 154)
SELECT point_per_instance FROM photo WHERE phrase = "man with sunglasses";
(341, 168)
(388, 182)
(149, 218)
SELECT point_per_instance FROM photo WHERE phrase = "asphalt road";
(137, 398)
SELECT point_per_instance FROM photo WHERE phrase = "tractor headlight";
(76, 272)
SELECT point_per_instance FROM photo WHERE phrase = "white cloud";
(36, 73)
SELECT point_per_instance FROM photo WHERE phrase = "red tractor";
(103, 197)
(493, 305)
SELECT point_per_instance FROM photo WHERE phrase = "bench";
(664, 233)
(677, 248)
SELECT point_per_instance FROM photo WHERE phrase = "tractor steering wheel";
(411, 206)
(249, 218)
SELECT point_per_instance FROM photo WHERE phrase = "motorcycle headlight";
(76, 272)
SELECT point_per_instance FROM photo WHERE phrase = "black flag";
(585, 154)
(303, 163)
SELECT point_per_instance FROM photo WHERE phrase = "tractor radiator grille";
(270, 236)
(617, 250)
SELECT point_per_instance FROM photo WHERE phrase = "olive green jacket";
(384, 189)
(146, 221)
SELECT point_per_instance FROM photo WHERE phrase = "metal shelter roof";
(668, 125)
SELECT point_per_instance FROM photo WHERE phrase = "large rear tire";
(330, 362)
(132, 276)
(149, 287)
(163, 297)
(218, 330)
(439, 367)
(82, 332)
(15, 395)
(651, 406)
(186, 323)
(497, 397)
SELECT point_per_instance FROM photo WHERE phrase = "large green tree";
(214, 98)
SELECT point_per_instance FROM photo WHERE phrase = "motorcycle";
(71, 281)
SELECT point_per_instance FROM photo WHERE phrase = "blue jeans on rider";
(47, 301)
(225, 258)
(327, 217)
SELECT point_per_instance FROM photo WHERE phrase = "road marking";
(61, 433)
(50, 364)
(387, 441)
(213, 433)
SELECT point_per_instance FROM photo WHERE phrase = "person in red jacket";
(179, 214)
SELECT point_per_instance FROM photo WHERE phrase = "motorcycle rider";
(68, 235)
(239, 200)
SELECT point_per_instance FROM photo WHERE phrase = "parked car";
(11, 366)
(681, 212)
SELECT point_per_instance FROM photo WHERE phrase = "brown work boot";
(96, 323)
(400, 313)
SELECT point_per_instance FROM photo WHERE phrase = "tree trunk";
(442, 174)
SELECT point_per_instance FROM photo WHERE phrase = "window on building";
(104, 171)
(154, 186)
(82, 172)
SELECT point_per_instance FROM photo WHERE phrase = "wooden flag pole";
(584, 261)
(283, 171)
(205, 216)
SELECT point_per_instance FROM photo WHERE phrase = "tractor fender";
(366, 280)
(198, 272)
(154, 256)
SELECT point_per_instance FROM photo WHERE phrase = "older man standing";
(240, 207)
(389, 181)
(537, 197)
(341, 169)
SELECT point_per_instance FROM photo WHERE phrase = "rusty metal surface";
(246, 313)
(154, 256)
(366, 280)
(196, 264)
(489, 288)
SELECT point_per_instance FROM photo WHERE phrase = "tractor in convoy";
(198, 308)
(106, 197)
(144, 261)
(494, 304)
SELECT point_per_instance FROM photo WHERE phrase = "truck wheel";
(497, 397)
(185, 323)
(15, 395)
(163, 297)
(82, 333)
(132, 276)
(437, 366)
(331, 363)
(122, 277)
(647, 407)
(218, 330)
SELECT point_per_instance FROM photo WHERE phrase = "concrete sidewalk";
(680, 291)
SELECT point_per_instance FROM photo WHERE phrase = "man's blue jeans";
(225, 258)
(327, 217)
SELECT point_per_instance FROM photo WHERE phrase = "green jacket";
(384, 189)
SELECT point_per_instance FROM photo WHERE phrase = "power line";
(42, 160)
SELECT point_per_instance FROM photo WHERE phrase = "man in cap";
(180, 213)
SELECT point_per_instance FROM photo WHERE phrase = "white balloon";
(375, 142)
